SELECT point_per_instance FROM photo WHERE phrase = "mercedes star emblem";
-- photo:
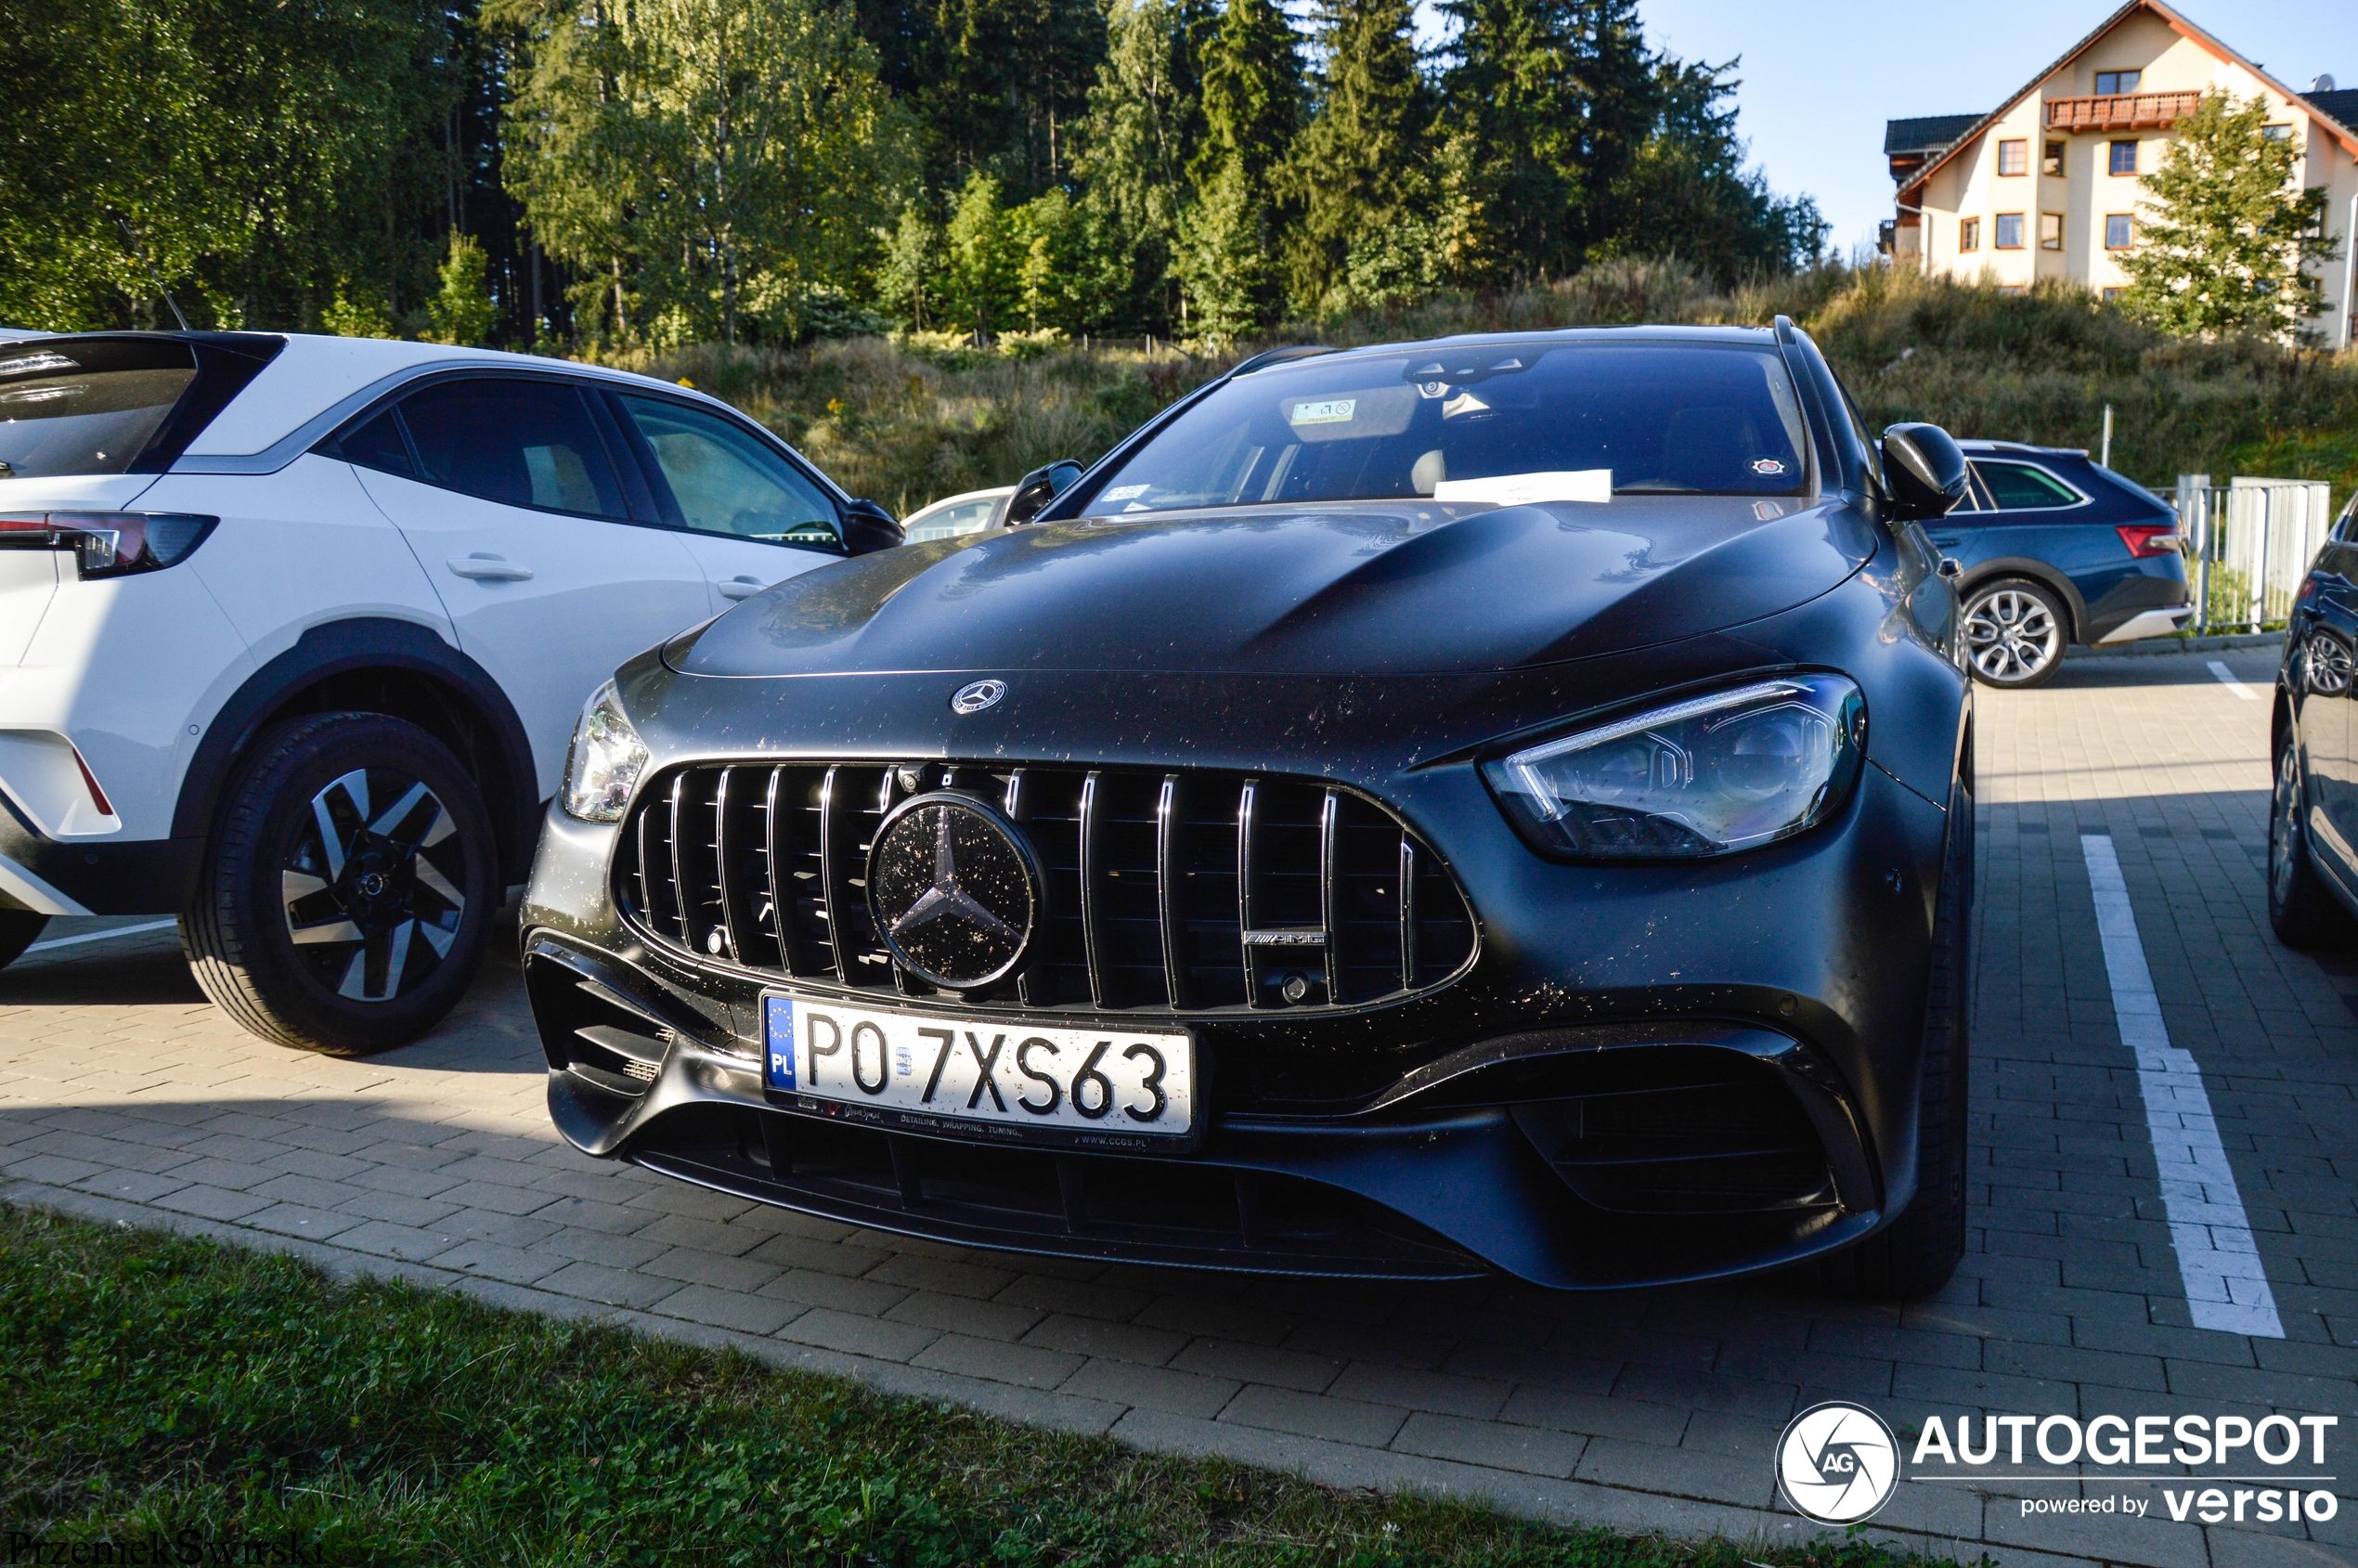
(976, 695)
(953, 890)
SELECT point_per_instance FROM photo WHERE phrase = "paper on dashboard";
(1523, 489)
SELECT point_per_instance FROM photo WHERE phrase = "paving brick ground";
(123, 1094)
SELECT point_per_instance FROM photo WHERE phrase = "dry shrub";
(908, 425)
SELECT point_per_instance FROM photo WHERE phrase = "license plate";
(994, 1078)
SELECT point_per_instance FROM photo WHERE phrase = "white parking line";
(2226, 1286)
(2227, 679)
(100, 935)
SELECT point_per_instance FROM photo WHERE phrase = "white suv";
(293, 631)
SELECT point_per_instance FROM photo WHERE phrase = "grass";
(152, 1384)
(907, 425)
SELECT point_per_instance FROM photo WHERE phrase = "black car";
(2057, 550)
(1496, 803)
(2312, 821)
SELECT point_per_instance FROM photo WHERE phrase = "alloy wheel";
(2327, 666)
(372, 891)
(2010, 636)
(2283, 826)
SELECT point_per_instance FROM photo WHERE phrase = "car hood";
(1363, 588)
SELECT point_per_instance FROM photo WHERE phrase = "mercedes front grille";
(1185, 892)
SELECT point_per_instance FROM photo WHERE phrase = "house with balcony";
(2045, 185)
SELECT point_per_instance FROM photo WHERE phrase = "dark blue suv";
(2057, 550)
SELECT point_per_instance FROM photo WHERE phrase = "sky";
(1820, 79)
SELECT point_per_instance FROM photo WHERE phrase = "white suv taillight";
(109, 544)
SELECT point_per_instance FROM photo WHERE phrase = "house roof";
(2335, 124)
(2340, 106)
(1934, 133)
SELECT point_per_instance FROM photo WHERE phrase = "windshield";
(85, 408)
(1507, 422)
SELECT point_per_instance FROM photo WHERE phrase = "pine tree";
(2222, 243)
(1515, 106)
(1000, 85)
(1252, 93)
(1146, 121)
(908, 280)
(1687, 192)
(982, 260)
(1551, 103)
(1364, 162)
(462, 312)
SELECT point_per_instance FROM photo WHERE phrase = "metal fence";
(2248, 544)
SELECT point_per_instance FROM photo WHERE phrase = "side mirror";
(1036, 489)
(868, 527)
(1925, 470)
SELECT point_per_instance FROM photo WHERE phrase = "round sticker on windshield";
(1768, 465)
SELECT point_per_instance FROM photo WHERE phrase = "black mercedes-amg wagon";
(1495, 803)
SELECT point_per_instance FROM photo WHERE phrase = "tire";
(1916, 1255)
(345, 899)
(2301, 908)
(18, 930)
(2015, 632)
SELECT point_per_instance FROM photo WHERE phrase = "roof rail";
(1280, 356)
(1786, 332)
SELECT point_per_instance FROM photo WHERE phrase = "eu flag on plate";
(777, 1031)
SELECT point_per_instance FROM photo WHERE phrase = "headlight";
(1707, 776)
(607, 759)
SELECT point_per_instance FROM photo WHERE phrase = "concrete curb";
(2148, 647)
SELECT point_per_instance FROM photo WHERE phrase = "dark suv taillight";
(2149, 538)
(109, 544)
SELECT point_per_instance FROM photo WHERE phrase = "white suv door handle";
(486, 567)
(740, 587)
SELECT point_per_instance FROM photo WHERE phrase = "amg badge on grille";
(954, 888)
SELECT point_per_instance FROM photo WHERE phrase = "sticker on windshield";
(1331, 411)
(1523, 489)
(1127, 492)
(1768, 465)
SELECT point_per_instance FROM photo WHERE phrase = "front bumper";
(1780, 993)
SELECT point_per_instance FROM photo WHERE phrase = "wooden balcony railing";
(2121, 112)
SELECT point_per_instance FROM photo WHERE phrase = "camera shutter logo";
(1837, 1463)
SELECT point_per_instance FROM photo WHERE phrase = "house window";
(2276, 133)
(2124, 158)
(1969, 233)
(2111, 81)
(2009, 232)
(2121, 231)
(2112, 296)
(2051, 231)
(2054, 162)
(2013, 157)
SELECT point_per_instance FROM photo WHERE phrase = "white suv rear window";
(75, 408)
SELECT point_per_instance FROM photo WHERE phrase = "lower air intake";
(1738, 1143)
